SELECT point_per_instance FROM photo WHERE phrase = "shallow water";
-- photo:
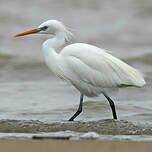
(33, 101)
(106, 129)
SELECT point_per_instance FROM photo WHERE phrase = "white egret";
(88, 68)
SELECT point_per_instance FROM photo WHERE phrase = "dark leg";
(79, 109)
(112, 105)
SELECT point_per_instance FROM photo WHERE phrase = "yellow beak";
(28, 32)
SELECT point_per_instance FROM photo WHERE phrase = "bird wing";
(98, 68)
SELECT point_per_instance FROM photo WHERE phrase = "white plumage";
(94, 67)
(90, 69)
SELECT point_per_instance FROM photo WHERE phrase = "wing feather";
(98, 68)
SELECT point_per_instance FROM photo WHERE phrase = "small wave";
(107, 127)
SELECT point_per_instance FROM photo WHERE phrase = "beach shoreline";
(49, 145)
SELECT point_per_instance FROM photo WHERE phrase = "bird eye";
(44, 28)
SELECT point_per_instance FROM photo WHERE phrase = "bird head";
(52, 27)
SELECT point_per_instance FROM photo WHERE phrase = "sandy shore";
(72, 146)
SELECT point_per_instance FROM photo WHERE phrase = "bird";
(90, 69)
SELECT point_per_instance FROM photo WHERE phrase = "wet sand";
(72, 146)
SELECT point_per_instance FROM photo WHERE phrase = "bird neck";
(56, 42)
(49, 48)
